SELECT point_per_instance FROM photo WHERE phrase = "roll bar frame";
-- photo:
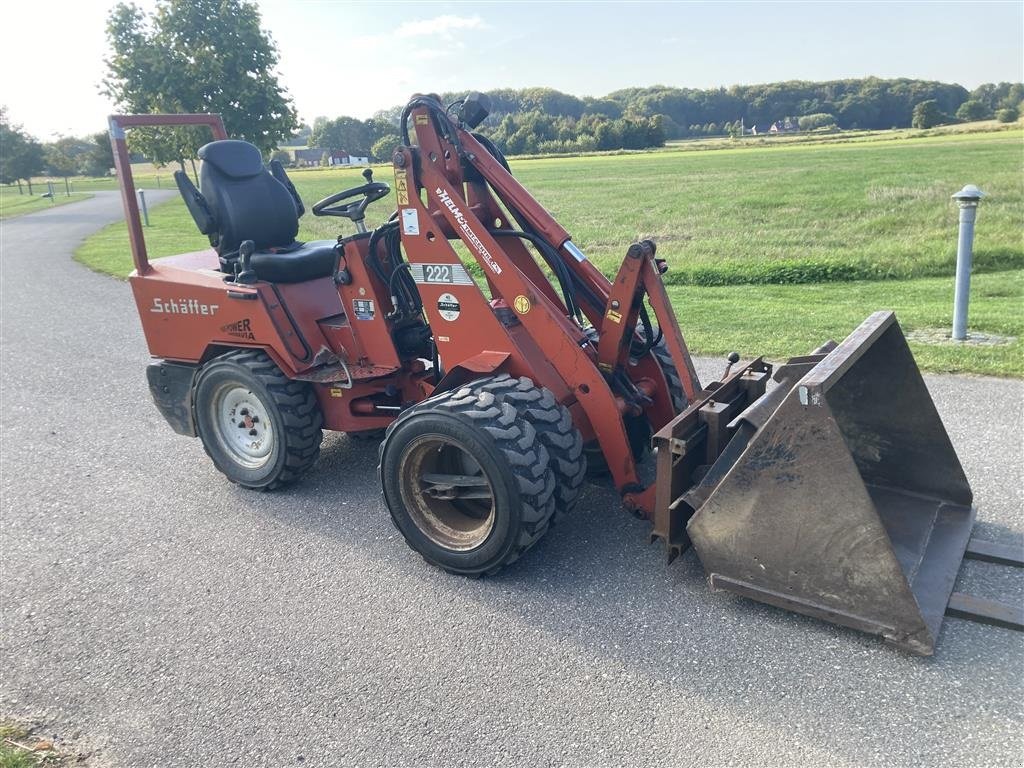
(122, 164)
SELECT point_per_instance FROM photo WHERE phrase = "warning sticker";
(448, 306)
(422, 119)
(410, 221)
(401, 187)
(615, 317)
(363, 309)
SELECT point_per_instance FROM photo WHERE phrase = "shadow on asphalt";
(594, 583)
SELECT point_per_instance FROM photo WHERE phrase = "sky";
(352, 58)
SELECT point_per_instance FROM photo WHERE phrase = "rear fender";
(480, 364)
(171, 384)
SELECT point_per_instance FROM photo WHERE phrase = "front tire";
(555, 430)
(261, 429)
(467, 482)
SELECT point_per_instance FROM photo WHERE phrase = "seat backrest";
(246, 201)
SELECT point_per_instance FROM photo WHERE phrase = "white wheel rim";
(243, 427)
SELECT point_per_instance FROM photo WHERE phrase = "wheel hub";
(243, 427)
(447, 493)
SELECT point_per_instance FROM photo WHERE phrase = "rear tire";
(262, 429)
(467, 481)
(555, 430)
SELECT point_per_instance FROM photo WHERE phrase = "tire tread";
(518, 440)
(299, 410)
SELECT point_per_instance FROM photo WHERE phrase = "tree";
(927, 114)
(63, 156)
(100, 158)
(1008, 115)
(21, 156)
(384, 147)
(197, 56)
(282, 156)
(349, 134)
(816, 121)
(999, 96)
(972, 110)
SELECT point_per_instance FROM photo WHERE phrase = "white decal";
(183, 307)
(460, 217)
(363, 309)
(451, 274)
(448, 306)
(410, 221)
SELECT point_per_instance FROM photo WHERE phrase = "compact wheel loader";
(472, 338)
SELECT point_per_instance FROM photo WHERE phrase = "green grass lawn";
(734, 222)
(779, 321)
(21, 748)
(163, 179)
(793, 213)
(12, 204)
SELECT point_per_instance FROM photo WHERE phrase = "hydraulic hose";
(552, 259)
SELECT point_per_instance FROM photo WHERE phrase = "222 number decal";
(439, 273)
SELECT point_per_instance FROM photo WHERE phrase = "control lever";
(730, 361)
(245, 251)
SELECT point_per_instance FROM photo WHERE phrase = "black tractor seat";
(242, 199)
(296, 264)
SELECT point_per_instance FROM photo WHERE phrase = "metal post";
(142, 205)
(967, 198)
(49, 190)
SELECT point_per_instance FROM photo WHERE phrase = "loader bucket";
(840, 495)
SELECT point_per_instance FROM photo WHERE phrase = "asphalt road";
(168, 618)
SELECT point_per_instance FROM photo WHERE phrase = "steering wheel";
(371, 191)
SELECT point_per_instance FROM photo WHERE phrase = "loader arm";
(449, 183)
(836, 494)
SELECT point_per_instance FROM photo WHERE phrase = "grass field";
(778, 321)
(861, 222)
(12, 204)
(20, 747)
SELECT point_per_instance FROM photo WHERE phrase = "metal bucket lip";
(831, 369)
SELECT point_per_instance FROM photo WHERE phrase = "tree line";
(213, 56)
(22, 157)
(544, 120)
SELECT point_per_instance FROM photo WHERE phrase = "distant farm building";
(784, 126)
(315, 156)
